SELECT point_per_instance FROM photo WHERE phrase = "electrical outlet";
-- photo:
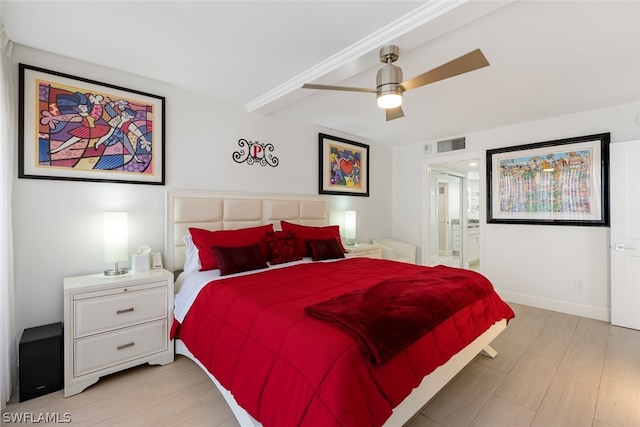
(578, 285)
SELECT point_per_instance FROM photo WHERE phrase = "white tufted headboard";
(228, 211)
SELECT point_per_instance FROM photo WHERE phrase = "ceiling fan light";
(389, 90)
(391, 99)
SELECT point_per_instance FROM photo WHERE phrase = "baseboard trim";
(591, 312)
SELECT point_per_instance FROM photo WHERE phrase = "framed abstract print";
(343, 167)
(72, 128)
(561, 182)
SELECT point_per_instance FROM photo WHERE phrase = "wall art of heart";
(344, 166)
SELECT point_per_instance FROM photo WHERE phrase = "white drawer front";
(373, 253)
(105, 350)
(101, 314)
(377, 254)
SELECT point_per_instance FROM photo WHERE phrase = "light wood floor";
(552, 370)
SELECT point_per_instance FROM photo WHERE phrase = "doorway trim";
(430, 162)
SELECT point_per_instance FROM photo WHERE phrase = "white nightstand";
(364, 250)
(114, 323)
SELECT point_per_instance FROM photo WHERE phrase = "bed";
(267, 353)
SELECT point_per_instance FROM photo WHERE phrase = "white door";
(625, 233)
(443, 219)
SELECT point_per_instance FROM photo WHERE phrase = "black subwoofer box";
(41, 361)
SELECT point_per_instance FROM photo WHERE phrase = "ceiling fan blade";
(469, 62)
(343, 88)
(393, 113)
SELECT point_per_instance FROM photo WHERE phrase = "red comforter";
(288, 369)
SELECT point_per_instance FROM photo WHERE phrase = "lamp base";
(116, 271)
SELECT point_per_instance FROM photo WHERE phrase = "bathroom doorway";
(453, 220)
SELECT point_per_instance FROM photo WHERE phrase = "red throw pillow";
(205, 240)
(236, 259)
(325, 249)
(283, 246)
(305, 232)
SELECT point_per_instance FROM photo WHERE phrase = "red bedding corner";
(289, 369)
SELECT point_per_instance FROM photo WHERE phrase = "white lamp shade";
(350, 225)
(116, 237)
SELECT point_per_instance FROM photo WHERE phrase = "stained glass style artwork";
(80, 129)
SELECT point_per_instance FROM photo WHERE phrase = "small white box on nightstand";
(140, 262)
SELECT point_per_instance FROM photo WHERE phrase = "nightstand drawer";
(364, 250)
(376, 253)
(115, 323)
(105, 350)
(128, 308)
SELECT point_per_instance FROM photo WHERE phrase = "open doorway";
(445, 223)
(453, 219)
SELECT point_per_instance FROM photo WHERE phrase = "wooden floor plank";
(465, 396)
(529, 380)
(619, 398)
(567, 403)
(501, 412)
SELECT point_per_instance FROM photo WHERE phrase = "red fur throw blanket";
(389, 316)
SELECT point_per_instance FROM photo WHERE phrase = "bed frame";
(225, 211)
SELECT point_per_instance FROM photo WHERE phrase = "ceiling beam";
(401, 26)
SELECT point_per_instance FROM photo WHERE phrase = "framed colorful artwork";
(72, 128)
(561, 182)
(344, 166)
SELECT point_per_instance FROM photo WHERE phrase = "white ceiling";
(547, 58)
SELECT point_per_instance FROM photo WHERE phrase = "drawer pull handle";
(123, 346)
(126, 310)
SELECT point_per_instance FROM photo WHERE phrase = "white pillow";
(192, 259)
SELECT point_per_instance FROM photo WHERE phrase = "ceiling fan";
(389, 84)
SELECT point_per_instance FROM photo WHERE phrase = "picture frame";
(78, 129)
(343, 166)
(560, 182)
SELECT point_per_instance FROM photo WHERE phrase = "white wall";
(535, 265)
(58, 224)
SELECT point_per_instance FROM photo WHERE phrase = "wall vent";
(452, 145)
